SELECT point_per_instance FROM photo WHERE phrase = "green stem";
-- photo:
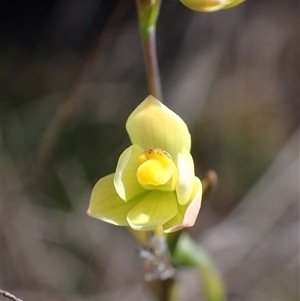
(189, 254)
(148, 11)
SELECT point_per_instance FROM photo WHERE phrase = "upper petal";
(125, 180)
(156, 208)
(188, 213)
(152, 124)
(106, 205)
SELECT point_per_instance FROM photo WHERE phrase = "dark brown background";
(232, 75)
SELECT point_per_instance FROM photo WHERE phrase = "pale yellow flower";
(154, 184)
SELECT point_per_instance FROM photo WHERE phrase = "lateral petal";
(105, 203)
(184, 187)
(125, 179)
(188, 213)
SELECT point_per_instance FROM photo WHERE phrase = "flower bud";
(210, 5)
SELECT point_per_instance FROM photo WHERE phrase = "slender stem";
(172, 239)
(159, 272)
(158, 263)
(149, 47)
(162, 289)
(148, 11)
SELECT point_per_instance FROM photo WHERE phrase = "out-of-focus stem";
(148, 11)
(9, 295)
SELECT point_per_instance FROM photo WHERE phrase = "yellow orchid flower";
(210, 5)
(154, 184)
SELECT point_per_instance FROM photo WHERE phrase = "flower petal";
(106, 205)
(125, 180)
(155, 209)
(153, 125)
(185, 165)
(187, 214)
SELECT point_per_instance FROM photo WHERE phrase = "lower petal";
(106, 205)
(155, 209)
(188, 213)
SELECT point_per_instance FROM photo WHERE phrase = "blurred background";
(72, 71)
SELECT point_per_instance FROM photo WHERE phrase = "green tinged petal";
(153, 125)
(156, 208)
(185, 165)
(106, 205)
(188, 213)
(125, 180)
